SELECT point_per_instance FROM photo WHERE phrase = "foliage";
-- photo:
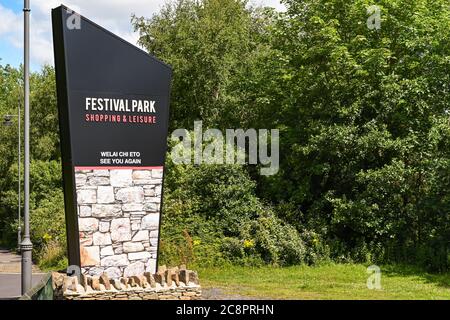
(364, 129)
(46, 200)
(212, 46)
(363, 114)
(365, 122)
(212, 216)
(53, 256)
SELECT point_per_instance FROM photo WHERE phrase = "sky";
(114, 15)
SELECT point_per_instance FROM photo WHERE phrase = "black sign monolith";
(113, 103)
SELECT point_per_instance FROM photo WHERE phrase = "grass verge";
(331, 281)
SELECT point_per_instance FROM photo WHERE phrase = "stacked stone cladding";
(118, 220)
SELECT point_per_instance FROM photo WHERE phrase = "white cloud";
(115, 15)
(10, 26)
(8, 19)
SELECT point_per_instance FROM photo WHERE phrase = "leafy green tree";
(214, 46)
(46, 202)
(363, 118)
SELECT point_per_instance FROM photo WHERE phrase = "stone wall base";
(166, 284)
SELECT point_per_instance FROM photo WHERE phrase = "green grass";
(331, 281)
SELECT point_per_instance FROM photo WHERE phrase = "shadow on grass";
(440, 279)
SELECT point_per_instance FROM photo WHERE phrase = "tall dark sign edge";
(68, 167)
(65, 145)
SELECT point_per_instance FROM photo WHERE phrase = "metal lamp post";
(26, 246)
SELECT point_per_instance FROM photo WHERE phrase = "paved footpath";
(10, 285)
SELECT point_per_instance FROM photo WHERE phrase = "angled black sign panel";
(113, 102)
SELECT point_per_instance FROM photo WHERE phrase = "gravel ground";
(218, 294)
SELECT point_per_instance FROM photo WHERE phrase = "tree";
(365, 121)
(214, 47)
(46, 202)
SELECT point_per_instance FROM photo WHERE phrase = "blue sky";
(15, 5)
(112, 14)
(9, 53)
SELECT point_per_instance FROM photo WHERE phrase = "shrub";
(53, 256)
(48, 231)
(276, 242)
(212, 215)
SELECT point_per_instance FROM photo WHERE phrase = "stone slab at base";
(167, 284)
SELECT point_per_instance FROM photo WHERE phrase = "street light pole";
(26, 246)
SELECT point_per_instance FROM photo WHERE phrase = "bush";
(434, 256)
(212, 215)
(47, 218)
(274, 241)
(53, 256)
